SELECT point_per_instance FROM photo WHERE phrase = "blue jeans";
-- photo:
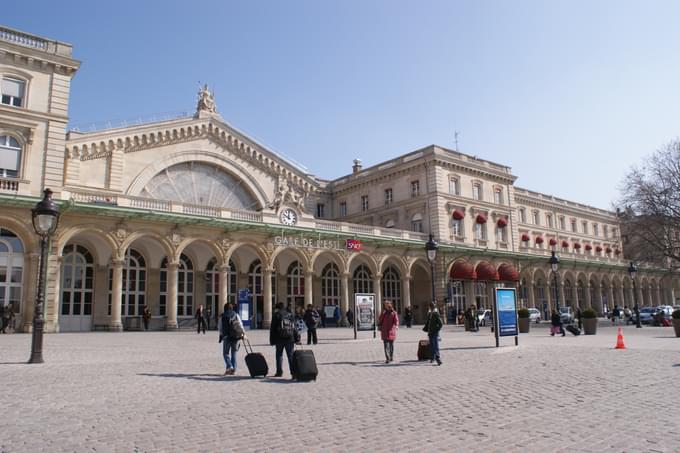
(229, 349)
(288, 346)
(434, 343)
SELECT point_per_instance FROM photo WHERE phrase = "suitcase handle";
(247, 345)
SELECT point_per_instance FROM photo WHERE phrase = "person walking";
(556, 324)
(231, 332)
(615, 315)
(389, 323)
(475, 321)
(4, 317)
(146, 317)
(408, 316)
(350, 317)
(283, 335)
(208, 316)
(200, 319)
(323, 316)
(578, 317)
(433, 326)
(311, 318)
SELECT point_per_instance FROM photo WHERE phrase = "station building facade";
(188, 211)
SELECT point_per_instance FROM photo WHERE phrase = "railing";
(87, 197)
(201, 210)
(147, 203)
(245, 215)
(9, 185)
(329, 226)
(16, 37)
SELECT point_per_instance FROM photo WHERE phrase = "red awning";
(502, 223)
(486, 271)
(525, 237)
(463, 270)
(565, 244)
(458, 215)
(617, 251)
(481, 219)
(577, 245)
(508, 273)
(539, 240)
(608, 250)
(552, 242)
(598, 249)
(589, 247)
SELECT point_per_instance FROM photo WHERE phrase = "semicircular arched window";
(200, 184)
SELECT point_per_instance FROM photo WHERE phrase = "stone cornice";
(38, 59)
(139, 138)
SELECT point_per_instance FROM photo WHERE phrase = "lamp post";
(431, 249)
(554, 262)
(632, 271)
(45, 218)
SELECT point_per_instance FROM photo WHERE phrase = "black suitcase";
(304, 365)
(425, 350)
(255, 361)
(574, 330)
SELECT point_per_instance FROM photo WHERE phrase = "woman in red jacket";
(389, 322)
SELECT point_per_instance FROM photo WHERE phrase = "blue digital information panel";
(507, 312)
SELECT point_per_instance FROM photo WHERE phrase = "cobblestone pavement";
(164, 391)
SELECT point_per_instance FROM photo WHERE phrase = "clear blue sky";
(570, 94)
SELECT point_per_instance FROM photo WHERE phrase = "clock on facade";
(288, 217)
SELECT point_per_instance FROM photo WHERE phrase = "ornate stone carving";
(286, 193)
(206, 100)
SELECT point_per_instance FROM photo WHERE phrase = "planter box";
(524, 324)
(589, 326)
(676, 326)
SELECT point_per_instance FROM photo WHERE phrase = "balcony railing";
(9, 185)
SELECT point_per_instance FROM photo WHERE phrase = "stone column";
(407, 291)
(531, 292)
(377, 288)
(658, 295)
(469, 290)
(171, 301)
(267, 298)
(619, 292)
(589, 302)
(224, 288)
(344, 296)
(610, 296)
(115, 323)
(29, 295)
(309, 289)
(671, 293)
(560, 288)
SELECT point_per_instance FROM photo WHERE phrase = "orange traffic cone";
(619, 341)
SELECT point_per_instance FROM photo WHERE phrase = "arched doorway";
(11, 271)
(77, 289)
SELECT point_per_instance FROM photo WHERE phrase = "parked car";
(484, 317)
(534, 315)
(667, 309)
(647, 314)
(567, 315)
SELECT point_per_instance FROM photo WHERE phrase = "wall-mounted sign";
(354, 245)
(306, 242)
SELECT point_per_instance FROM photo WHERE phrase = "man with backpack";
(311, 319)
(283, 335)
(231, 332)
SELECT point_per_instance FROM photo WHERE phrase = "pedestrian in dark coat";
(556, 324)
(311, 318)
(433, 326)
(408, 316)
(200, 319)
(283, 335)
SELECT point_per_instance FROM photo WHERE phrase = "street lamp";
(632, 271)
(431, 249)
(45, 220)
(554, 262)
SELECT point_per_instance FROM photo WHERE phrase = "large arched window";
(296, 284)
(481, 295)
(330, 285)
(77, 281)
(185, 286)
(133, 298)
(391, 287)
(212, 286)
(540, 297)
(11, 269)
(581, 294)
(255, 285)
(10, 157)
(361, 280)
(568, 293)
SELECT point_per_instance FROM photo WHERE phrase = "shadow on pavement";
(197, 377)
(379, 363)
(463, 348)
(12, 363)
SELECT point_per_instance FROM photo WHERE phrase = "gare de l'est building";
(188, 211)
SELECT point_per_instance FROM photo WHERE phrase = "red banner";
(354, 244)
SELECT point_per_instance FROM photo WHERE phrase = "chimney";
(356, 168)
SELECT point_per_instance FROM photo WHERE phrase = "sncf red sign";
(354, 244)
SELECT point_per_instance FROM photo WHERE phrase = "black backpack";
(286, 327)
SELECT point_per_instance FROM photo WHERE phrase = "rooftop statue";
(206, 100)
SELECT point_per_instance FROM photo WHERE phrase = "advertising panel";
(506, 308)
(365, 311)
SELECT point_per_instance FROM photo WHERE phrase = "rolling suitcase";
(425, 350)
(574, 330)
(255, 361)
(304, 365)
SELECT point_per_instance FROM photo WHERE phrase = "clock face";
(288, 217)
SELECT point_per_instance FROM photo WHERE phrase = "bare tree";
(651, 218)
